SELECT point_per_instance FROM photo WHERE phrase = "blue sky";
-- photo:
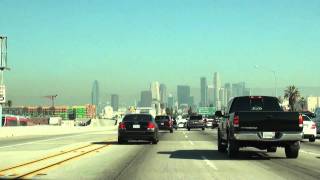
(61, 46)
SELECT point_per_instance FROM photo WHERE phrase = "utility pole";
(52, 98)
(3, 67)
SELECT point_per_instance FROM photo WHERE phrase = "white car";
(309, 129)
(181, 122)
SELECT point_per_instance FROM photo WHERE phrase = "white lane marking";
(191, 143)
(186, 136)
(45, 140)
(209, 163)
(311, 153)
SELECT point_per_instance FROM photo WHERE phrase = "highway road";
(181, 155)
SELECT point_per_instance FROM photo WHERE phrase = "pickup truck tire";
(171, 130)
(188, 129)
(272, 149)
(232, 148)
(292, 150)
(121, 141)
(221, 147)
(154, 141)
(203, 129)
(312, 139)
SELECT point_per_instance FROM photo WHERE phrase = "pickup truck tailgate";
(268, 121)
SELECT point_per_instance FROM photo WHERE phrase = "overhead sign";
(206, 110)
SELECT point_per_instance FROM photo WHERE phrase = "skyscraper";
(228, 92)
(216, 86)
(216, 89)
(204, 92)
(146, 99)
(115, 102)
(183, 93)
(163, 93)
(210, 95)
(95, 96)
(170, 101)
(155, 91)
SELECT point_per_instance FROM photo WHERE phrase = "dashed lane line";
(210, 164)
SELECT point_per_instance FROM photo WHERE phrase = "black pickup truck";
(260, 122)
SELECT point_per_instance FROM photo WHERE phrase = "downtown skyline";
(128, 45)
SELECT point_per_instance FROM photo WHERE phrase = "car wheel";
(232, 148)
(203, 129)
(221, 147)
(154, 141)
(188, 129)
(312, 139)
(272, 149)
(171, 130)
(292, 150)
(121, 141)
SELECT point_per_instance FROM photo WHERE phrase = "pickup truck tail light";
(122, 126)
(236, 121)
(300, 121)
(151, 126)
(313, 126)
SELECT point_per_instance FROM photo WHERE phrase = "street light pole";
(275, 77)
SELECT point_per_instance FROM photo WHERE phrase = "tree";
(302, 103)
(292, 94)
(39, 110)
(190, 111)
(9, 103)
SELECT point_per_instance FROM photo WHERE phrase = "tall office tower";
(222, 97)
(146, 99)
(171, 101)
(204, 92)
(95, 96)
(155, 91)
(210, 95)
(115, 102)
(216, 86)
(183, 93)
(238, 89)
(163, 94)
(228, 92)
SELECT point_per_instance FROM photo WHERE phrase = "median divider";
(95, 125)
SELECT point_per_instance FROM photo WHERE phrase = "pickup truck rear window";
(137, 118)
(255, 104)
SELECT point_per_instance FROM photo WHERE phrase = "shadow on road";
(116, 143)
(215, 155)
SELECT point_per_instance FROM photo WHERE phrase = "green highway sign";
(206, 110)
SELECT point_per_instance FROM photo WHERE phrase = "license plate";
(268, 135)
(162, 124)
(136, 126)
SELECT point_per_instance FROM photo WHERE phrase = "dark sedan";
(164, 123)
(138, 127)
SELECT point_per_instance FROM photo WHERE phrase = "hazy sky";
(61, 47)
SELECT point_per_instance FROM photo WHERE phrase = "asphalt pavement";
(180, 155)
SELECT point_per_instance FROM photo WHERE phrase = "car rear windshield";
(162, 118)
(137, 118)
(255, 104)
(199, 117)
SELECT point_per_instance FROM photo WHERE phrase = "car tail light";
(151, 126)
(236, 121)
(313, 126)
(122, 126)
(300, 121)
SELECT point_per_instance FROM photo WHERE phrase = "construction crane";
(52, 98)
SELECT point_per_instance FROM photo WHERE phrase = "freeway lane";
(188, 155)
(181, 155)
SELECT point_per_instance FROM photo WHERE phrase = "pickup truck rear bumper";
(279, 136)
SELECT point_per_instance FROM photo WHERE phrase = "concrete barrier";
(97, 125)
